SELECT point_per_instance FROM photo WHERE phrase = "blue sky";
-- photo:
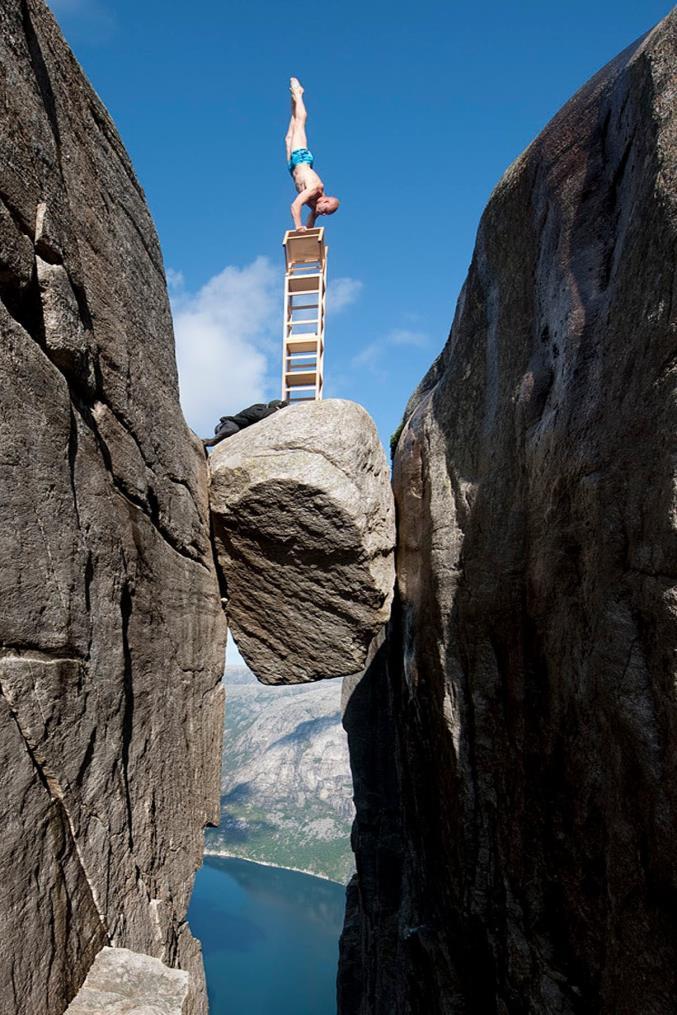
(415, 112)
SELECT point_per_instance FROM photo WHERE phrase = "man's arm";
(310, 221)
(306, 195)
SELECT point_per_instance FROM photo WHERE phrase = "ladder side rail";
(322, 300)
(284, 335)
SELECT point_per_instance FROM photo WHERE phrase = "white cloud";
(175, 281)
(373, 356)
(225, 336)
(369, 356)
(341, 292)
(405, 336)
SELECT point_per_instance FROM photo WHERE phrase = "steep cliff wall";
(513, 742)
(111, 632)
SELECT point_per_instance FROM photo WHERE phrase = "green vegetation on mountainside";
(286, 789)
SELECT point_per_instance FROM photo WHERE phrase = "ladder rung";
(306, 363)
(294, 345)
(304, 284)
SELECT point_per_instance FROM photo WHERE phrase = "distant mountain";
(235, 676)
(286, 788)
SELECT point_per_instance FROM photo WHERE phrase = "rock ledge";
(122, 982)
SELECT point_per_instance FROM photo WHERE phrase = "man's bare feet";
(295, 87)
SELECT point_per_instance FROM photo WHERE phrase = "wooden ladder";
(305, 300)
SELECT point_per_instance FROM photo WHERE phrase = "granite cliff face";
(111, 633)
(513, 741)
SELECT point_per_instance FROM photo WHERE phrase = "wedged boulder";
(304, 527)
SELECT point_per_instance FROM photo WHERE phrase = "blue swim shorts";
(300, 157)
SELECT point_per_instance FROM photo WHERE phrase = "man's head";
(326, 205)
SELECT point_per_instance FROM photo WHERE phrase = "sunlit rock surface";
(122, 982)
(304, 528)
(513, 743)
(111, 631)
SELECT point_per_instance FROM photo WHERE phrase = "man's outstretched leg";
(299, 115)
(226, 428)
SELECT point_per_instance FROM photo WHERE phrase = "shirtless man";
(300, 161)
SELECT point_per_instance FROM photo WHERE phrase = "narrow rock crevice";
(42, 77)
(126, 607)
(24, 306)
(86, 759)
(72, 455)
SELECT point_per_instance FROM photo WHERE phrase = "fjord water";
(269, 938)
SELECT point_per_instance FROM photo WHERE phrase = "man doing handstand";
(300, 161)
